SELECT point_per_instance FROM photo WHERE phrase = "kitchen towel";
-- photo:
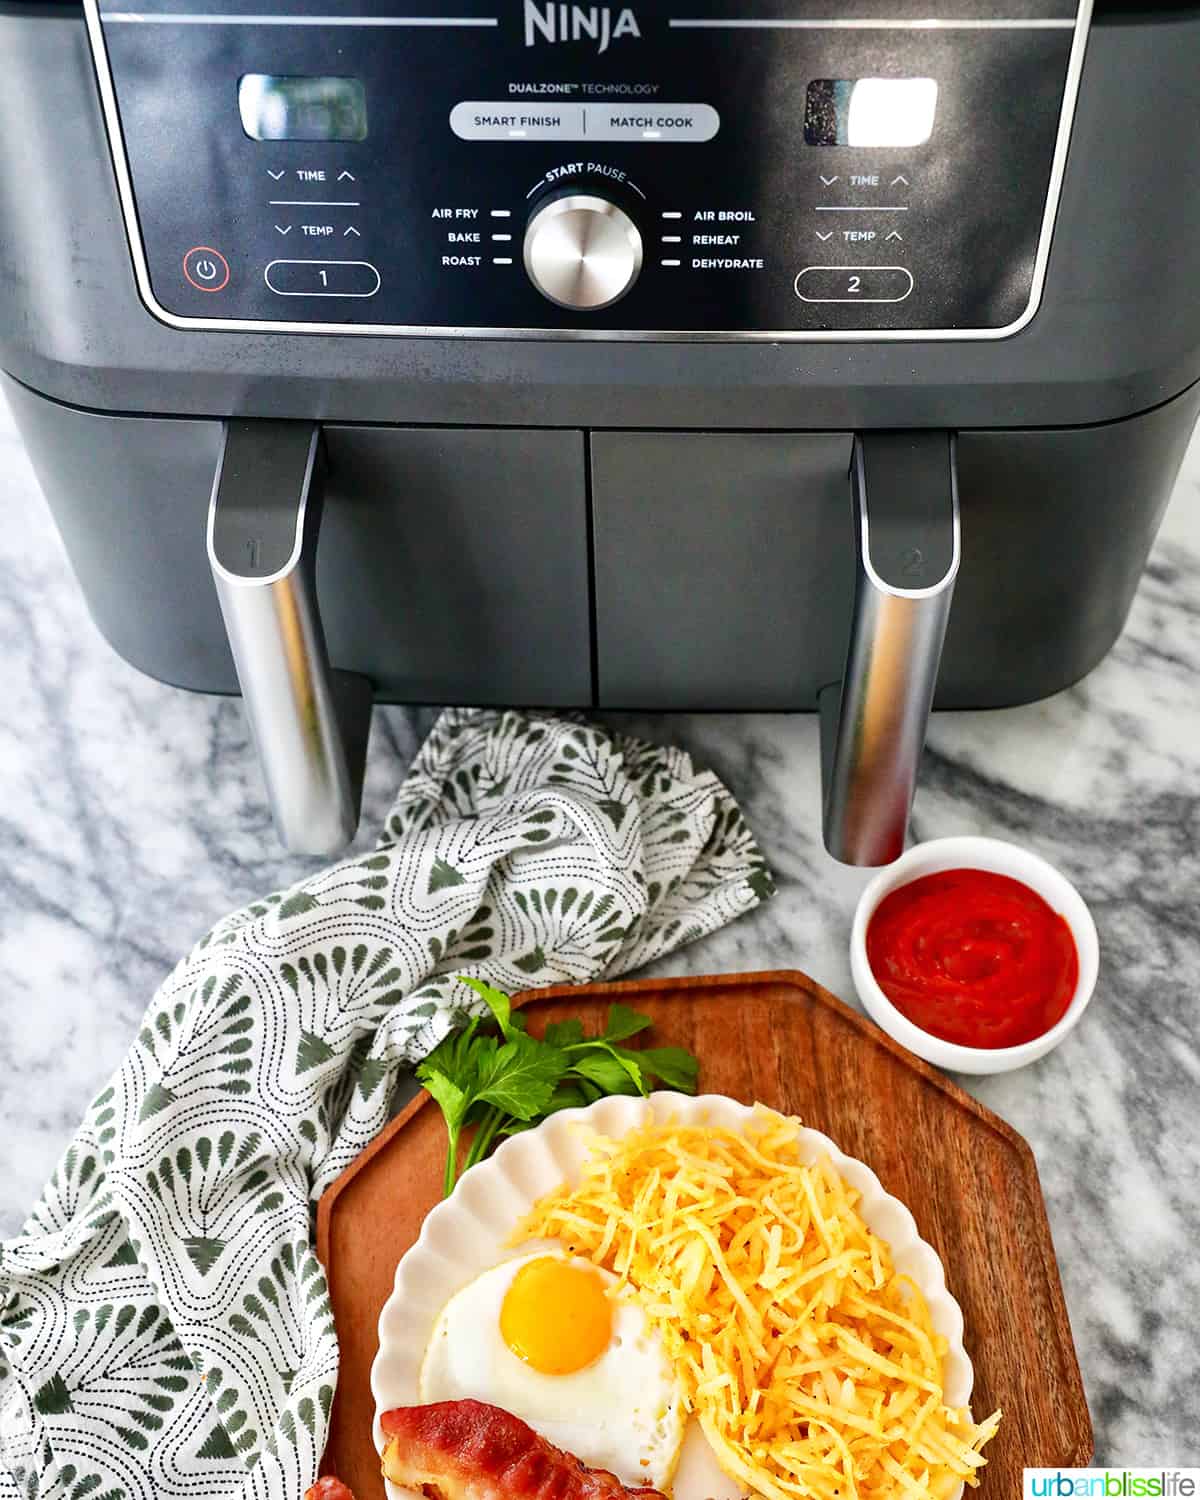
(165, 1326)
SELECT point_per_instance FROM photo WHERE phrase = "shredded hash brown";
(811, 1364)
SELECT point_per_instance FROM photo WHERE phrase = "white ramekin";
(1002, 859)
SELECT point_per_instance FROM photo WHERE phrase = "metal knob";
(582, 252)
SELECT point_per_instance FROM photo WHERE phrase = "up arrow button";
(900, 178)
(346, 177)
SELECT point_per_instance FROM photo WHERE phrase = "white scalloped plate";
(469, 1231)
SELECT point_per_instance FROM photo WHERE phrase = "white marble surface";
(131, 817)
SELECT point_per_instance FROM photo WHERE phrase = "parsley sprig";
(505, 1083)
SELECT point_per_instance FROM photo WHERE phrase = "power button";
(206, 269)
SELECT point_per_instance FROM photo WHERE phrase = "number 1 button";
(322, 278)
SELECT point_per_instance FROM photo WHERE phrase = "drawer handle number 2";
(854, 283)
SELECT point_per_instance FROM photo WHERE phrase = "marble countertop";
(132, 817)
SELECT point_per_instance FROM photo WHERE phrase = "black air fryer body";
(642, 502)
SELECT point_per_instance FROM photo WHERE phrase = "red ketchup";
(973, 957)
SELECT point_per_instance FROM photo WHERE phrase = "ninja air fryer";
(691, 354)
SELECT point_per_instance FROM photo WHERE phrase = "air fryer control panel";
(703, 169)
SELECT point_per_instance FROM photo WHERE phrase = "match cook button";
(322, 278)
(206, 269)
(651, 122)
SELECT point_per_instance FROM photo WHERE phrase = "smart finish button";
(206, 269)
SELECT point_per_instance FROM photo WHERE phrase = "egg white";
(624, 1412)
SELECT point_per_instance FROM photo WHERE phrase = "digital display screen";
(275, 108)
(869, 111)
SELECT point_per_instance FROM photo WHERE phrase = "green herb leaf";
(610, 1074)
(506, 1084)
(455, 1061)
(451, 1099)
(521, 1077)
(624, 1022)
(496, 1001)
(564, 1033)
(565, 1096)
(674, 1066)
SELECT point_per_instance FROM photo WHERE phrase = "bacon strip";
(467, 1450)
(328, 1488)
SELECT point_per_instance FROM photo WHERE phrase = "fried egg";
(554, 1341)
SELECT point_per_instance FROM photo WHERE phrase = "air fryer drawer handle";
(309, 723)
(905, 495)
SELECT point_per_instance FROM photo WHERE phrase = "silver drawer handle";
(905, 494)
(309, 722)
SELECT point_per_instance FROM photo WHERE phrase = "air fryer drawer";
(723, 567)
(452, 565)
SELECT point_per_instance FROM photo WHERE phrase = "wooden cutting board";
(968, 1178)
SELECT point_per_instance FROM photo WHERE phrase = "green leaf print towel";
(165, 1328)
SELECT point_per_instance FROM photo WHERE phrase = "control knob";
(582, 252)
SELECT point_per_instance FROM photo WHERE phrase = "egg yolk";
(556, 1316)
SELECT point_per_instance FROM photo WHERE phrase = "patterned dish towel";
(165, 1327)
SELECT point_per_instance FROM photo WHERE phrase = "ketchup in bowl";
(973, 957)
